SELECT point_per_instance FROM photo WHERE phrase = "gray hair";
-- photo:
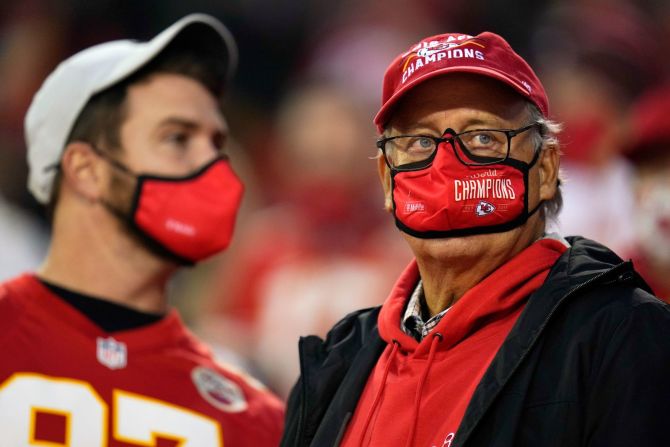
(546, 138)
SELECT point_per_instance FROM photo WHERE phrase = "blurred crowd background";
(313, 242)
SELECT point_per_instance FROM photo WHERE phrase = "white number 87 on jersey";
(136, 419)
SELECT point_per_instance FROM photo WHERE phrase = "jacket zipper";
(581, 286)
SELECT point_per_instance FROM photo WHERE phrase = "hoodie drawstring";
(380, 391)
(437, 337)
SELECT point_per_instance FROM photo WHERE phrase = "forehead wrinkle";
(460, 91)
(456, 119)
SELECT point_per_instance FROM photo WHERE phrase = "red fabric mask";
(194, 216)
(191, 217)
(450, 199)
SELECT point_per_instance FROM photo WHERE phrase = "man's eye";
(425, 143)
(483, 139)
(177, 138)
(486, 143)
(420, 143)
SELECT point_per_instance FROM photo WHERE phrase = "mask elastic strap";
(530, 165)
(114, 210)
(536, 157)
(102, 154)
(112, 161)
(118, 213)
(536, 209)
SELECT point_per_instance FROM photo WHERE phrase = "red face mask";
(190, 218)
(448, 198)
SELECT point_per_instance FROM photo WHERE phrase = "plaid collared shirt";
(412, 321)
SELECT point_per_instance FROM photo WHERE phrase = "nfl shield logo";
(111, 353)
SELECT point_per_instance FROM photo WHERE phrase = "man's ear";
(83, 171)
(385, 178)
(548, 167)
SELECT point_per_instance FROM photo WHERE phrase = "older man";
(498, 333)
(126, 145)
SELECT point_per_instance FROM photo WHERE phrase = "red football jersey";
(64, 381)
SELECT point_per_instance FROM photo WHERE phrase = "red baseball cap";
(486, 54)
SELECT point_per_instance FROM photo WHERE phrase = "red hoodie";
(418, 392)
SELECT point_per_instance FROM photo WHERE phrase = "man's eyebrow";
(176, 121)
(487, 122)
(413, 128)
(188, 124)
(501, 119)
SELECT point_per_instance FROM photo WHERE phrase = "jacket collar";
(584, 265)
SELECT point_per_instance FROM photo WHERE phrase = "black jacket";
(586, 364)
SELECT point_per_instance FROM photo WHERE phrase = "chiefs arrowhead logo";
(484, 208)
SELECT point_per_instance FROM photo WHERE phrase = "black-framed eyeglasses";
(477, 147)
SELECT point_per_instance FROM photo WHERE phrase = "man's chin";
(449, 248)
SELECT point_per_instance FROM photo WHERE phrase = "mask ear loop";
(538, 149)
(112, 161)
(120, 214)
(102, 154)
(536, 157)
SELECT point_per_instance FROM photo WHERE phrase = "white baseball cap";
(63, 95)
